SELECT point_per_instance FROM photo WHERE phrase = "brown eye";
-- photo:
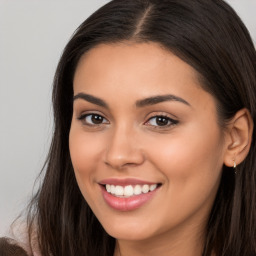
(96, 119)
(161, 121)
(93, 119)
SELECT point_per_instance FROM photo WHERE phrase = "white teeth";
(112, 189)
(129, 190)
(108, 188)
(119, 191)
(137, 190)
(152, 187)
(145, 189)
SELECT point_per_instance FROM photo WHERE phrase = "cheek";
(191, 166)
(189, 156)
(85, 151)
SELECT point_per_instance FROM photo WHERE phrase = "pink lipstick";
(127, 194)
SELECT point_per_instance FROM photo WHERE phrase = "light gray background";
(32, 36)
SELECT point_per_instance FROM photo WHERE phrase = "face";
(145, 143)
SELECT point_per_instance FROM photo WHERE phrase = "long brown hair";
(209, 36)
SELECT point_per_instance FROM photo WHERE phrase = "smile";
(129, 190)
(129, 194)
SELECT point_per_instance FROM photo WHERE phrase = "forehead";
(137, 70)
(140, 57)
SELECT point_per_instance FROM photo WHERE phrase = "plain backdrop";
(33, 34)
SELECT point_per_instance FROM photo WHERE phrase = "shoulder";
(19, 242)
(9, 247)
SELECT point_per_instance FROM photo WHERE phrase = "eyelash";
(170, 121)
(164, 118)
(83, 117)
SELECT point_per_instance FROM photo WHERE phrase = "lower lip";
(127, 204)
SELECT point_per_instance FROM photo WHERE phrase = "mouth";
(130, 190)
(128, 195)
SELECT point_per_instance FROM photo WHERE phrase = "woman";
(153, 151)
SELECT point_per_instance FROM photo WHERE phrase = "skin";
(186, 156)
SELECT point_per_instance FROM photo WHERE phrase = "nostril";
(121, 153)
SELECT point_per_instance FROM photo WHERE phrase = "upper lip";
(125, 181)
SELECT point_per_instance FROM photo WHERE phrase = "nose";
(123, 149)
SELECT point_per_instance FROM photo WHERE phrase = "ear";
(238, 138)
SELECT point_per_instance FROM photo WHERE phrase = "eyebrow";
(140, 103)
(158, 99)
(91, 99)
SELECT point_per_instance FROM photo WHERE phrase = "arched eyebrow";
(158, 99)
(140, 103)
(91, 99)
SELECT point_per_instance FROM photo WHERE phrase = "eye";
(161, 121)
(93, 119)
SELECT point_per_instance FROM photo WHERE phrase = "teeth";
(129, 190)
(119, 191)
(152, 187)
(137, 190)
(108, 188)
(112, 189)
(145, 189)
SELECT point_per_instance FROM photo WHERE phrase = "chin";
(128, 235)
(126, 230)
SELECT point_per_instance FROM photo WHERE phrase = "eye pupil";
(161, 121)
(96, 119)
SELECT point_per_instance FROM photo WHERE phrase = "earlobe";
(239, 136)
